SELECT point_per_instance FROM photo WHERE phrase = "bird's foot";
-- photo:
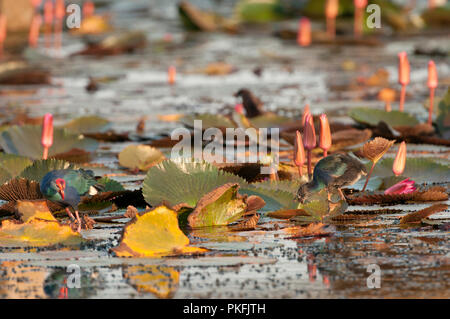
(78, 220)
(69, 213)
(341, 194)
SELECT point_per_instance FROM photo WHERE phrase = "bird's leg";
(69, 213)
(341, 193)
(329, 196)
(78, 220)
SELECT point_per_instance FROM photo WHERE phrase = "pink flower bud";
(325, 134)
(432, 75)
(400, 160)
(309, 133)
(304, 32)
(47, 131)
(403, 69)
(331, 9)
(172, 72)
(404, 187)
(299, 150)
(305, 113)
(88, 9)
(239, 108)
(360, 3)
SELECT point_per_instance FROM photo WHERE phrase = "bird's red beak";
(61, 184)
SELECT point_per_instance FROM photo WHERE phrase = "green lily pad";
(183, 182)
(26, 141)
(88, 124)
(372, 117)
(443, 118)
(40, 168)
(219, 207)
(269, 120)
(208, 121)
(11, 166)
(110, 185)
(260, 11)
(420, 170)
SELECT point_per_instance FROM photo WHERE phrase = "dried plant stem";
(45, 153)
(368, 176)
(402, 98)
(430, 110)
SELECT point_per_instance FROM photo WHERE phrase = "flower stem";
(45, 153)
(309, 164)
(430, 110)
(368, 177)
(402, 98)
(325, 153)
(300, 170)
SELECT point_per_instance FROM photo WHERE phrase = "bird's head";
(302, 192)
(241, 93)
(60, 187)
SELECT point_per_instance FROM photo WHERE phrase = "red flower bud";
(172, 72)
(36, 3)
(48, 12)
(432, 75)
(304, 32)
(332, 9)
(88, 9)
(305, 113)
(299, 150)
(34, 30)
(309, 133)
(60, 9)
(403, 69)
(325, 134)
(47, 131)
(2, 28)
(400, 160)
(360, 3)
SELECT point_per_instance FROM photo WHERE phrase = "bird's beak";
(61, 192)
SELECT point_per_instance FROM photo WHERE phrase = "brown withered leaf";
(287, 213)
(131, 212)
(247, 224)
(345, 138)
(20, 188)
(429, 195)
(312, 230)
(75, 155)
(416, 217)
(254, 203)
(376, 148)
(109, 136)
(351, 217)
(416, 130)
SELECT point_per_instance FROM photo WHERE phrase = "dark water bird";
(252, 105)
(67, 186)
(333, 172)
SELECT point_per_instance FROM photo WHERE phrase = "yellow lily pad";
(154, 234)
(34, 210)
(140, 157)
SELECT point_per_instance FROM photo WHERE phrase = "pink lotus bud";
(88, 9)
(33, 36)
(403, 69)
(36, 3)
(404, 187)
(299, 152)
(305, 113)
(48, 12)
(360, 3)
(400, 160)
(2, 28)
(172, 72)
(432, 75)
(309, 133)
(325, 134)
(304, 32)
(60, 9)
(239, 108)
(331, 9)
(47, 131)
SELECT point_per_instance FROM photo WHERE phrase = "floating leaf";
(37, 232)
(110, 185)
(25, 141)
(40, 168)
(208, 121)
(287, 213)
(183, 182)
(11, 166)
(416, 217)
(161, 281)
(31, 210)
(247, 224)
(421, 170)
(376, 148)
(372, 117)
(443, 118)
(260, 11)
(312, 230)
(88, 124)
(154, 234)
(269, 120)
(140, 157)
(220, 207)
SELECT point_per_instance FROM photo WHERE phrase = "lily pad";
(421, 170)
(154, 234)
(260, 11)
(140, 157)
(220, 207)
(110, 185)
(443, 118)
(11, 166)
(372, 117)
(270, 120)
(208, 121)
(88, 124)
(25, 141)
(183, 182)
(40, 168)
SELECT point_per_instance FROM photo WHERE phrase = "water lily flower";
(172, 72)
(2, 32)
(331, 12)
(432, 85)
(47, 134)
(325, 134)
(403, 76)
(400, 160)
(387, 95)
(309, 139)
(299, 153)
(88, 9)
(304, 32)
(33, 36)
(305, 113)
(359, 14)
(404, 187)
